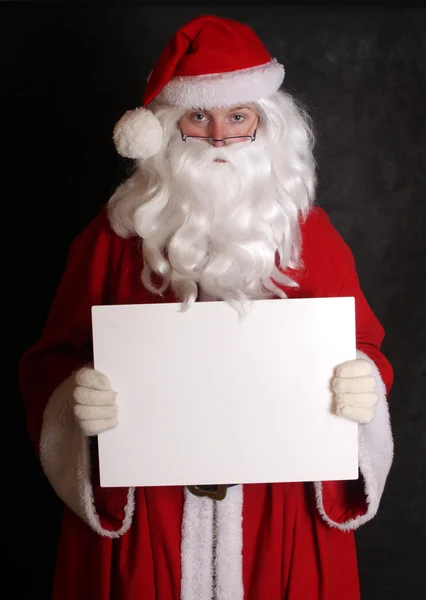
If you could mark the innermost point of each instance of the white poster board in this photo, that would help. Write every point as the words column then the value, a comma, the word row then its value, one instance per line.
column 206, row 398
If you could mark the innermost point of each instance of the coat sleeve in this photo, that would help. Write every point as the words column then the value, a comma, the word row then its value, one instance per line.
column 347, row 505
column 46, row 383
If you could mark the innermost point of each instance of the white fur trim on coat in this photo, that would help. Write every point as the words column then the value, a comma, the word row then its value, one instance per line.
column 212, row 545
column 229, row 546
column 197, row 548
column 65, row 458
column 224, row 89
column 375, row 457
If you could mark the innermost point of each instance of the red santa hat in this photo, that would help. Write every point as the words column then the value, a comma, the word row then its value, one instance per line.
column 210, row 62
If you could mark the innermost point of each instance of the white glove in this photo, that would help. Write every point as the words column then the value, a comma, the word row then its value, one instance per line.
column 95, row 408
column 353, row 386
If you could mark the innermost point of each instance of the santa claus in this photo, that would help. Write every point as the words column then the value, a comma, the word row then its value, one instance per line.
column 220, row 206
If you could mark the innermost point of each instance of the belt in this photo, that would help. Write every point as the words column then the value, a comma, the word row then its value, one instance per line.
column 215, row 492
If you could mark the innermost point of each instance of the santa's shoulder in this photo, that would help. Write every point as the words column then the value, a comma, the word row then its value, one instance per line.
column 320, row 237
column 99, row 239
column 326, row 257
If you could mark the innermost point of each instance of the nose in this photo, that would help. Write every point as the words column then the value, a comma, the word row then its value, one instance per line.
column 217, row 131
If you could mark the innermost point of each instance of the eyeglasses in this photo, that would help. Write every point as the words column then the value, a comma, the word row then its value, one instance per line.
column 235, row 141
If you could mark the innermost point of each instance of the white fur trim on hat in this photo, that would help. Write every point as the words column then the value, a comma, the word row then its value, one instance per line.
column 138, row 134
column 224, row 89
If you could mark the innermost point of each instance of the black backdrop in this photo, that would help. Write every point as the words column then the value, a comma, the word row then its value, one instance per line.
column 68, row 72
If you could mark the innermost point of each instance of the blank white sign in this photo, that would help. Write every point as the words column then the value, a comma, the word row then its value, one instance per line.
column 207, row 398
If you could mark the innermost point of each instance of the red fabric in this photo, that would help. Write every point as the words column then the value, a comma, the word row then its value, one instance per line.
column 142, row 564
column 288, row 552
column 201, row 47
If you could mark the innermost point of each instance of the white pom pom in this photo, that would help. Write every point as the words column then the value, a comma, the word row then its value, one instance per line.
column 138, row 134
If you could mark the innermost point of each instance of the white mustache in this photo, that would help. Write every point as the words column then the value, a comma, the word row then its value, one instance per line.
column 202, row 156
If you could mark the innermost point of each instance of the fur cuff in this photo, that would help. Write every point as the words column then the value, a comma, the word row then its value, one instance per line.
column 375, row 444
column 65, row 458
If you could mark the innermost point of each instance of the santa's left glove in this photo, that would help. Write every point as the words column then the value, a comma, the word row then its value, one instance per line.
column 95, row 407
column 353, row 387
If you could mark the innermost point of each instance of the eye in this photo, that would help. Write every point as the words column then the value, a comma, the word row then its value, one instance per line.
column 199, row 117
column 238, row 118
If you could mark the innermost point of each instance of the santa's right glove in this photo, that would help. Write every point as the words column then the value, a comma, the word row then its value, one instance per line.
column 95, row 407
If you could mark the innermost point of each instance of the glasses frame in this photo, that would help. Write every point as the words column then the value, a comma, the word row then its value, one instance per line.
column 213, row 140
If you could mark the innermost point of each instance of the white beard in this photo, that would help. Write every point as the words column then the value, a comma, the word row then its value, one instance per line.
column 215, row 229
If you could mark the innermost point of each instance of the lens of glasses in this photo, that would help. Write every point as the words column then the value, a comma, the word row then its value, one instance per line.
column 197, row 140
column 237, row 143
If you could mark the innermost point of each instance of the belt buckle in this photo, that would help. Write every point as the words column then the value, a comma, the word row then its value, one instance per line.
column 218, row 494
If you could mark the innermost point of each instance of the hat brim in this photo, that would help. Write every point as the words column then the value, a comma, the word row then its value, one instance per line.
column 224, row 89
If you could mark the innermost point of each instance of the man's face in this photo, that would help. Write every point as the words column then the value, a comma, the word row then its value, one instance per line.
column 217, row 211
column 237, row 123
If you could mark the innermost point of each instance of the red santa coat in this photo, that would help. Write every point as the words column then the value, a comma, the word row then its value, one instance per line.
column 275, row 541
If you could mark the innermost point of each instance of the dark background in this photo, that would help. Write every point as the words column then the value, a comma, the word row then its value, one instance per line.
column 69, row 70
